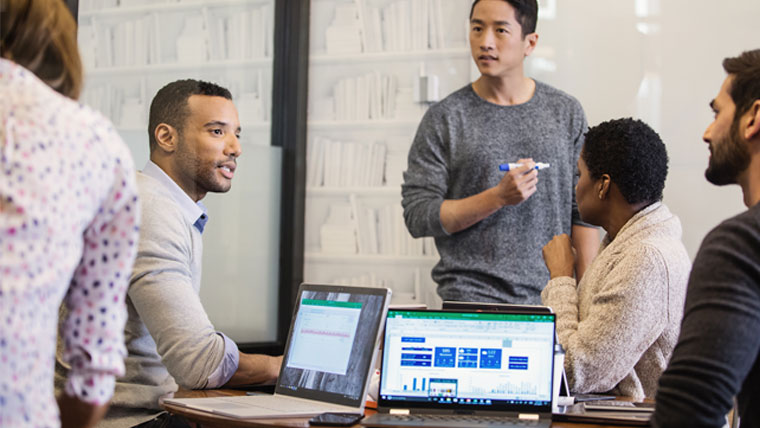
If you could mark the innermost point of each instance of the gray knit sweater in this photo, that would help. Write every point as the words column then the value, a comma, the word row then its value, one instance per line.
column 169, row 337
column 620, row 325
column 456, row 153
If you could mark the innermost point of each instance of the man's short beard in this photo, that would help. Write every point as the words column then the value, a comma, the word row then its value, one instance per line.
column 730, row 158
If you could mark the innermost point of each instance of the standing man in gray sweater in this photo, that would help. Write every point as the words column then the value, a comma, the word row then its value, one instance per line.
column 489, row 226
column 194, row 144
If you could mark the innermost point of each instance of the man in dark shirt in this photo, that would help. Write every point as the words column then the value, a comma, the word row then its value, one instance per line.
column 718, row 352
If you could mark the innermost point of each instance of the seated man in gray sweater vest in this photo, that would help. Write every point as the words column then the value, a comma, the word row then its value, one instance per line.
column 194, row 145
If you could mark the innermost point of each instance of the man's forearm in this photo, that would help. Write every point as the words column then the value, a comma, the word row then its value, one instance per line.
column 586, row 245
column 459, row 214
column 255, row 368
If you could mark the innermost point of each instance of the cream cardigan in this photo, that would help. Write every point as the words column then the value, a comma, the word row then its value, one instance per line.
column 621, row 323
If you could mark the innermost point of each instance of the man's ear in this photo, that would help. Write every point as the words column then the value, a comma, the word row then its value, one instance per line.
column 167, row 137
column 604, row 186
column 752, row 129
column 531, row 40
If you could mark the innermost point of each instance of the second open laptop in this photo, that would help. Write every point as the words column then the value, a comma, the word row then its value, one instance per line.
column 328, row 357
column 494, row 307
column 466, row 369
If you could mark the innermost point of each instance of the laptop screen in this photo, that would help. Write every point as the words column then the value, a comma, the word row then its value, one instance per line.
column 467, row 360
column 332, row 343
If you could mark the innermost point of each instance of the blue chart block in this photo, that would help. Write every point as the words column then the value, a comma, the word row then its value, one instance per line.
column 415, row 363
column 490, row 358
column 468, row 358
column 413, row 340
column 445, row 357
column 416, row 357
column 518, row 363
column 423, row 384
column 414, row 384
column 468, row 364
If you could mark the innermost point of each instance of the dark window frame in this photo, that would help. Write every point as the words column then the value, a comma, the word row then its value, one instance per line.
column 289, row 107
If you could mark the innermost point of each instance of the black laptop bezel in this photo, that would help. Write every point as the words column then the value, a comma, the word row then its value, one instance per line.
column 385, row 404
column 311, row 394
column 456, row 305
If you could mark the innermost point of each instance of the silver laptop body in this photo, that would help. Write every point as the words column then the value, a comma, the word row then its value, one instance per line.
column 329, row 354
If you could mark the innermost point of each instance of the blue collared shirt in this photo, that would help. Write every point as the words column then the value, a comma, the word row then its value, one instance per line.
column 196, row 214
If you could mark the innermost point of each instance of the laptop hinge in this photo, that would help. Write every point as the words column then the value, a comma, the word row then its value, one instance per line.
column 399, row 411
column 528, row 416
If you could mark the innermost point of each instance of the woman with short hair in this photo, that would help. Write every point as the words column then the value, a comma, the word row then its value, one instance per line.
column 620, row 323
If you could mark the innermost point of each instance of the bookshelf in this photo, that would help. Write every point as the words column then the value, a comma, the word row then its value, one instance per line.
column 444, row 53
column 178, row 68
column 89, row 8
column 132, row 48
column 375, row 66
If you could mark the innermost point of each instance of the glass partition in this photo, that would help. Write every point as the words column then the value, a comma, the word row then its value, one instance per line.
column 130, row 49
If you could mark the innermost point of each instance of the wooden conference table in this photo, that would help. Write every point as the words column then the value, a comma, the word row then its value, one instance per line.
column 208, row 420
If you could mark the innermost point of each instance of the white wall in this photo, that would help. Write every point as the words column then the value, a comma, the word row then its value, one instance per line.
column 597, row 50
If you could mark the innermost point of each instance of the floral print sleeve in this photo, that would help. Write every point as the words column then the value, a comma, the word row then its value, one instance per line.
column 68, row 229
column 93, row 333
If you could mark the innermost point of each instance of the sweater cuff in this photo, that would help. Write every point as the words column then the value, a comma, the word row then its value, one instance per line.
column 227, row 367
column 559, row 290
column 434, row 220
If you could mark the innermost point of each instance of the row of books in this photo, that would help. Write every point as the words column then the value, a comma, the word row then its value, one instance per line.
column 130, row 42
column 368, row 97
column 404, row 25
column 241, row 36
column 331, row 163
column 127, row 105
column 353, row 228
column 203, row 37
column 95, row 5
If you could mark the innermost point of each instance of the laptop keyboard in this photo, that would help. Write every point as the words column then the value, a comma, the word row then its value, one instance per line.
column 428, row 420
column 279, row 403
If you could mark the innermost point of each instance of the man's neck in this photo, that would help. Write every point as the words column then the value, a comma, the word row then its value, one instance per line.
column 168, row 169
column 506, row 91
column 749, row 181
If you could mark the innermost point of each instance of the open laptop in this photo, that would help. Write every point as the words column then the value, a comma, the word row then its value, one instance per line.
column 568, row 407
column 329, row 354
column 466, row 369
column 562, row 395
column 494, row 307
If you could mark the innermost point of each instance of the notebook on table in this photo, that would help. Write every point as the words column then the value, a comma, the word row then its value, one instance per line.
column 466, row 369
column 619, row 413
column 329, row 354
